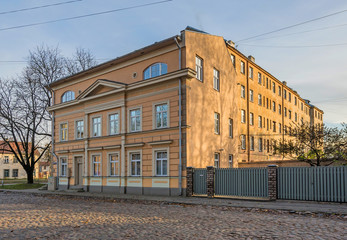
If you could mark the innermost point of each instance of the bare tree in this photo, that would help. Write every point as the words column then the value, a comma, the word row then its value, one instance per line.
column 317, row 145
column 24, row 121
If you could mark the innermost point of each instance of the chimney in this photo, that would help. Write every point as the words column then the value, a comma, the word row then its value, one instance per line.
column 284, row 83
column 250, row 57
column 231, row 43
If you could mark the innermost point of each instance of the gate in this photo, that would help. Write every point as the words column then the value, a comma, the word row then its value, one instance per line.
column 327, row 184
column 241, row 182
column 200, row 181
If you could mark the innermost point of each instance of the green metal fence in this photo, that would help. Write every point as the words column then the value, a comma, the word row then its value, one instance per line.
column 327, row 184
column 200, row 181
column 241, row 182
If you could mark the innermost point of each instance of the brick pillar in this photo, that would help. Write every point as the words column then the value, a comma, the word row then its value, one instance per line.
column 210, row 181
column 189, row 189
column 272, row 182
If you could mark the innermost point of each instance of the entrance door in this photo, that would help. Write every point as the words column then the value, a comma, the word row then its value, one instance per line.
column 78, row 171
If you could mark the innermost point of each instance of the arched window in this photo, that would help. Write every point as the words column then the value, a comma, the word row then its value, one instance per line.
column 155, row 70
column 68, row 96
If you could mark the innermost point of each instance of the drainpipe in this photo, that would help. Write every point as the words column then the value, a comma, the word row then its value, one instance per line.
column 248, row 116
column 52, row 129
column 179, row 119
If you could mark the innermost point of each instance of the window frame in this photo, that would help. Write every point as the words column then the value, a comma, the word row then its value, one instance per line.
column 259, row 78
column 199, row 69
column 154, row 116
column 231, row 160
column 259, row 100
column 77, row 127
column 116, row 162
column 66, row 129
column 242, row 67
column 129, row 118
column 251, row 95
column 251, row 119
column 251, row 143
column 150, row 70
column 63, row 166
column 260, row 122
column 92, row 125
column 233, row 59
column 243, row 141
column 231, row 128
column 139, row 151
column 250, row 74
column 243, row 92
column 109, row 123
column 216, row 161
column 260, row 144
column 154, row 161
column 93, row 164
column 216, row 79
column 67, row 96
column 216, row 118
column 243, row 116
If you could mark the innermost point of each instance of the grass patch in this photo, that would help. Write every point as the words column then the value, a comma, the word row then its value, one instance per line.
column 22, row 186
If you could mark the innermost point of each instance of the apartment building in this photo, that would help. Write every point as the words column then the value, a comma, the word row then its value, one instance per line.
column 9, row 165
column 133, row 124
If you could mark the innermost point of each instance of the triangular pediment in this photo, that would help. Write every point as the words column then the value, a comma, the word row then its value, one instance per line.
column 100, row 87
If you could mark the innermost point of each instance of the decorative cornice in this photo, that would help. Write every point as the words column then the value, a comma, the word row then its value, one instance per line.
column 160, row 142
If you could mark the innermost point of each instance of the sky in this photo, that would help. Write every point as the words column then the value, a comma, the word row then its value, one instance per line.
column 311, row 58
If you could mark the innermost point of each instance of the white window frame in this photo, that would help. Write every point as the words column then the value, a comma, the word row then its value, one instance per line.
column 130, row 161
column 243, row 142
column 243, row 91
column 250, row 72
column 93, row 166
column 199, row 68
column 259, row 99
column 116, row 162
column 259, row 78
column 216, row 117
column 216, row 157
column 63, row 173
column 274, row 106
column 109, row 123
column 154, row 111
column 242, row 67
column 92, row 125
column 77, row 127
column 129, row 118
column 216, row 79
column 251, row 119
column 61, row 132
column 243, row 116
column 279, row 90
column 273, row 87
column 232, row 57
column 260, row 122
column 251, row 97
column 231, row 128
column 154, row 163
column 231, row 160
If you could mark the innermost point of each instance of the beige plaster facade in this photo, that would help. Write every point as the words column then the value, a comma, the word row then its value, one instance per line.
column 143, row 154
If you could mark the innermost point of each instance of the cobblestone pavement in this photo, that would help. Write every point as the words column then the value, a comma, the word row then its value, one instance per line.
column 24, row 216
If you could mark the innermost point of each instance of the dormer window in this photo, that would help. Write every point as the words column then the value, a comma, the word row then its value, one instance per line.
column 68, row 96
column 155, row 70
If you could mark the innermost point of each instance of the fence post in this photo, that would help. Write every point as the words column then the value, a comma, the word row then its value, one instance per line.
column 189, row 190
column 272, row 182
column 210, row 181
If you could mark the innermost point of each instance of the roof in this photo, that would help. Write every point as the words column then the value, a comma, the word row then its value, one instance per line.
column 5, row 149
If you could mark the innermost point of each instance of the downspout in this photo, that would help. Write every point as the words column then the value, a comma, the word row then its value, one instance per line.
column 179, row 119
column 248, row 116
column 53, row 150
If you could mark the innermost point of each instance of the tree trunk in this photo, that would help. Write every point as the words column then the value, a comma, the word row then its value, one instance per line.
column 30, row 176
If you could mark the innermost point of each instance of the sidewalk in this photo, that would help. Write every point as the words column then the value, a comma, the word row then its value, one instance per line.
column 283, row 205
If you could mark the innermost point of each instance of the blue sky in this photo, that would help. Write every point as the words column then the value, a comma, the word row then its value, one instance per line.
column 317, row 73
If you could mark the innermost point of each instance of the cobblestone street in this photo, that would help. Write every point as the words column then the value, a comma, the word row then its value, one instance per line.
column 33, row 217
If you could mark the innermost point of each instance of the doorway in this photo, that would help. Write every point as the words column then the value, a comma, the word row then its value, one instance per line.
column 78, row 171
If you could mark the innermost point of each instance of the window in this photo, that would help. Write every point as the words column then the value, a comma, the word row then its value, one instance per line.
column 259, row 99
column 96, row 161
column 251, row 98
column 295, row 101
column 279, row 91
column 251, row 119
column 290, row 114
column 267, row 83
column 232, row 57
column 273, row 87
column 63, row 132
column 113, row 123
column 135, row 120
column 285, row 94
column 296, row 117
column 289, row 96
column 6, row 159
column 230, row 160
column 155, row 70
column 250, row 72
column 79, row 129
column 274, row 126
column 274, row 106
column 267, row 124
column 279, row 109
column 161, row 116
column 161, row 163
column 285, row 111
column 6, row 173
column 231, row 134
column 113, row 164
column 15, row 160
column 267, row 103
column 252, row 143
column 243, row 91
column 135, row 164
column 260, row 144
column 243, row 141
column 302, row 107
column 14, row 172
column 243, row 116
column 68, row 96
column 216, row 160
column 216, row 79
column 242, row 67
column 260, row 124
column 199, row 68
column 63, row 166
column 268, row 145
column 216, row 123
column 280, row 128
column 259, row 78
column 96, row 126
